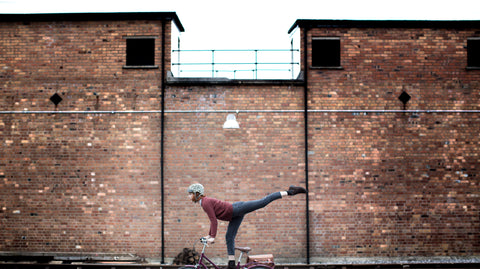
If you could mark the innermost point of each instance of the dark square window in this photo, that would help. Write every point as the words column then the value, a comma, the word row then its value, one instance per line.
column 326, row 52
column 140, row 52
column 473, row 53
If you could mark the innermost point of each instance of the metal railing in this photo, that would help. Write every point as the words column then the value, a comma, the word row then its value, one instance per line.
column 250, row 64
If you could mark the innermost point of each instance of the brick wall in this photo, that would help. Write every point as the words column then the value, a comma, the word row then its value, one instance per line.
column 263, row 156
column 381, row 184
column 395, row 184
column 378, row 64
column 79, row 182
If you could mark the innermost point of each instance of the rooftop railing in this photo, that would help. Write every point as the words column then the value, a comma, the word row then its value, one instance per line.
column 237, row 64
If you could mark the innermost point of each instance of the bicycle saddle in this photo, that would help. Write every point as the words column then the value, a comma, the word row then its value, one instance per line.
column 245, row 249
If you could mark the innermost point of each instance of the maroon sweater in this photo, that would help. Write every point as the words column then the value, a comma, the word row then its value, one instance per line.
column 216, row 209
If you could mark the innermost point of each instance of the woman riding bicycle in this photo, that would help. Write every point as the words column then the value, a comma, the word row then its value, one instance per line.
column 233, row 213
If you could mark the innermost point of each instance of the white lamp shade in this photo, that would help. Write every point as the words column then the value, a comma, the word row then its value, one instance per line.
column 231, row 122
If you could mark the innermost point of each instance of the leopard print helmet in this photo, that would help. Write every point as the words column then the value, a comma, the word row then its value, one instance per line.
column 196, row 188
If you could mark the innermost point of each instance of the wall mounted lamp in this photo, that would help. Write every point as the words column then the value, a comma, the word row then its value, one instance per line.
column 231, row 122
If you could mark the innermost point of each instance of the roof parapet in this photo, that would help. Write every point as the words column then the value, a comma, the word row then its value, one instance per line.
column 307, row 23
column 97, row 16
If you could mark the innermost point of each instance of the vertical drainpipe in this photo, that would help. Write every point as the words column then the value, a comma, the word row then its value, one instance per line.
column 305, row 116
column 162, row 129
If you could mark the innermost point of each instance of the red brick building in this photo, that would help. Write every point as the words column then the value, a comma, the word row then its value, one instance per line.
column 99, row 143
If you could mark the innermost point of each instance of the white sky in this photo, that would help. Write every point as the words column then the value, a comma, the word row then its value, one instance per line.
column 256, row 24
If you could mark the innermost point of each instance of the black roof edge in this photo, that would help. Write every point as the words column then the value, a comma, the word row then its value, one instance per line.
column 172, row 81
column 94, row 16
column 303, row 23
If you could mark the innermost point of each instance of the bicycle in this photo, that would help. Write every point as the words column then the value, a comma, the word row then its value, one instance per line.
column 251, row 263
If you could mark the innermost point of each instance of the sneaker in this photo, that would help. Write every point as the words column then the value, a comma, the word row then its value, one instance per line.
column 294, row 190
column 231, row 265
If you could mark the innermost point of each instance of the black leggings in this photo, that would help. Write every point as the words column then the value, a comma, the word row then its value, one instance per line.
column 240, row 209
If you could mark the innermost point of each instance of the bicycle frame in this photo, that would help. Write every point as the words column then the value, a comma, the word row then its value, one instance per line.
column 201, row 265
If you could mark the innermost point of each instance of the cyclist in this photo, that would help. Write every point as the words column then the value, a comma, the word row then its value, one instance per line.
column 233, row 213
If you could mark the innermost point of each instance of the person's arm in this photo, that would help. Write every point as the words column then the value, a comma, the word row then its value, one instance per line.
column 208, row 208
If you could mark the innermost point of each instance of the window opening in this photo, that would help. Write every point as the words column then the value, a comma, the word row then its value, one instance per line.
column 140, row 52
column 326, row 52
column 473, row 53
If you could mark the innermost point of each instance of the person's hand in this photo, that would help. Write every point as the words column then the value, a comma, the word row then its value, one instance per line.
column 210, row 240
